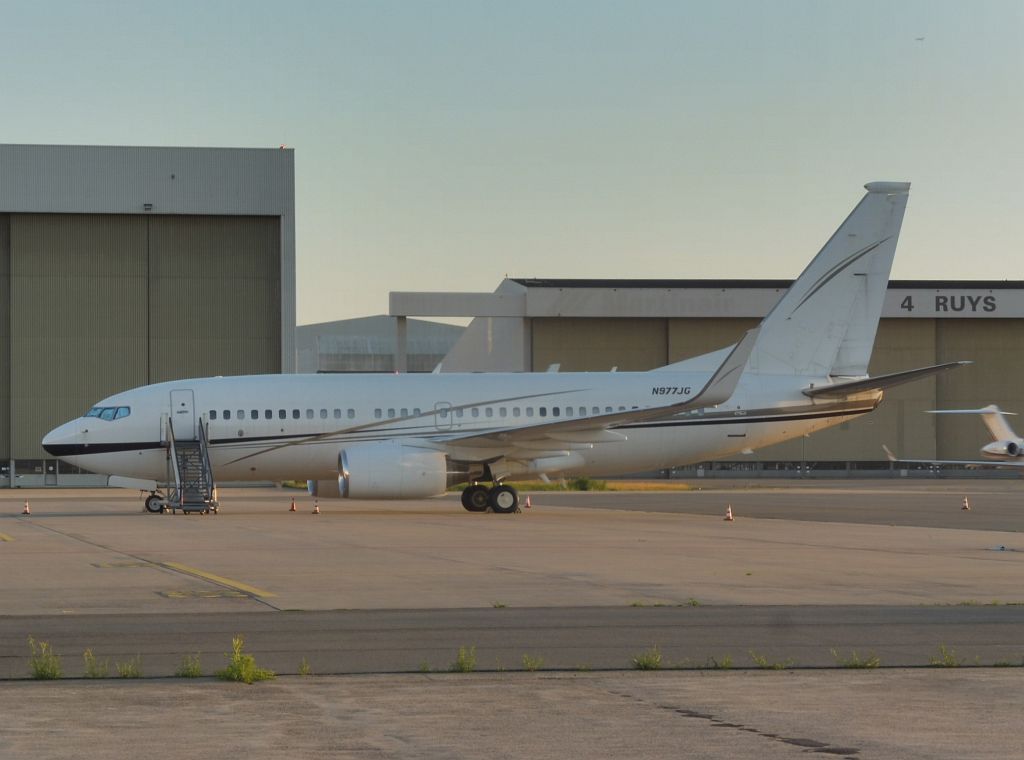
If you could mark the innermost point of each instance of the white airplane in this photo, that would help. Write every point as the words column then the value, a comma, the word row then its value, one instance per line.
column 1006, row 449
column 410, row 436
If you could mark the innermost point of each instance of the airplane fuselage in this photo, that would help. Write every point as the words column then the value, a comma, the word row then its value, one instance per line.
column 279, row 427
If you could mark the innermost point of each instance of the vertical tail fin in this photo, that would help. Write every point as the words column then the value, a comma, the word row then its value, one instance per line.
column 825, row 324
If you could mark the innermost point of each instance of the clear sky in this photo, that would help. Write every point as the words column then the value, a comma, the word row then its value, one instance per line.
column 442, row 145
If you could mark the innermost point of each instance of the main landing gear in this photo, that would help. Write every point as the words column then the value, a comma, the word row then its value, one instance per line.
column 155, row 503
column 499, row 498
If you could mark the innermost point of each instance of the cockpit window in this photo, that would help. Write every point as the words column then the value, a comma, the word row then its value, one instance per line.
column 109, row 413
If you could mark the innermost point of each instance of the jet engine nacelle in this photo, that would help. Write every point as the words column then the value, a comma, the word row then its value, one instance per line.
column 1003, row 449
column 385, row 470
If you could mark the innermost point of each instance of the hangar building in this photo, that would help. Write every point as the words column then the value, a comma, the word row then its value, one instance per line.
column 531, row 324
column 123, row 266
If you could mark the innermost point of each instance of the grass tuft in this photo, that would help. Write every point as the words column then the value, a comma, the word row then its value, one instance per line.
column 465, row 660
column 532, row 663
column 95, row 668
column 130, row 668
column 189, row 667
column 764, row 663
column 723, row 663
column 870, row 660
column 44, row 664
column 946, row 658
column 242, row 666
column 304, row 668
column 649, row 659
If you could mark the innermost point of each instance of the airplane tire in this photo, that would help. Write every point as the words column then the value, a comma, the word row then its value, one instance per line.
column 475, row 498
column 504, row 499
column 154, row 504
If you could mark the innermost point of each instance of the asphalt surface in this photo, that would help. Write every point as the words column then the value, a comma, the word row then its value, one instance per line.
column 812, row 577
column 601, row 638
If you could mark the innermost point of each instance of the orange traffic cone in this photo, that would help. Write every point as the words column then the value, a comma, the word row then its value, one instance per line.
column 316, row 507
column 27, row 510
column 728, row 513
column 293, row 505
column 527, row 503
column 966, row 507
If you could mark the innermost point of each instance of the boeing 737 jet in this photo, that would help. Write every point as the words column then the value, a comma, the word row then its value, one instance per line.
column 1006, row 449
column 402, row 436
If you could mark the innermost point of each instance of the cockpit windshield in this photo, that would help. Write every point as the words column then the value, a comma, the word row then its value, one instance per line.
column 109, row 413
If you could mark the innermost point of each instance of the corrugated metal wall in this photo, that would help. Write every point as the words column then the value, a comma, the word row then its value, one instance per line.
column 102, row 303
column 5, row 337
column 215, row 296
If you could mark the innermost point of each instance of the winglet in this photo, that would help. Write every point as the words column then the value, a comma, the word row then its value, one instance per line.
column 722, row 384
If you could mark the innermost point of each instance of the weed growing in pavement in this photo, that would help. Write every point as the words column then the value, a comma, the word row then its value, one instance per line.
column 189, row 667
column 95, row 668
column 242, row 666
column 465, row 660
column 532, row 663
column 764, row 663
column 131, row 668
column 946, row 658
column 649, row 659
column 723, row 663
column 44, row 664
column 855, row 660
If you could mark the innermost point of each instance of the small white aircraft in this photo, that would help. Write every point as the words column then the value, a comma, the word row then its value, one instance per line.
column 803, row 369
column 1006, row 449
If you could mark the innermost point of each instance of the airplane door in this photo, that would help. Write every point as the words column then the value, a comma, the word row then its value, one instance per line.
column 183, row 415
column 443, row 415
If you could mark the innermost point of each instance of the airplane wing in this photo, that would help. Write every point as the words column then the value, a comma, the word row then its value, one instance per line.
column 970, row 463
column 600, row 428
column 879, row 382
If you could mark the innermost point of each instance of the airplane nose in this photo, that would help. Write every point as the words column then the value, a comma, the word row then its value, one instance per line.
column 63, row 440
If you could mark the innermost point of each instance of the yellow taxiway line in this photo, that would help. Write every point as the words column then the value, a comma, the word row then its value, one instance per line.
column 5, row 537
column 215, row 579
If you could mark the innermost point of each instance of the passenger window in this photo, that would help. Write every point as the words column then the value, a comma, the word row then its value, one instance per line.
column 489, row 412
column 529, row 411
column 213, row 414
column 458, row 412
column 295, row 414
column 268, row 414
column 241, row 414
column 596, row 410
column 608, row 410
column 568, row 411
column 475, row 412
column 309, row 414
column 282, row 414
column 502, row 412
column 444, row 414
column 416, row 411
column 337, row 414
column 405, row 412
column 391, row 414
column 622, row 408
column 543, row 411
column 555, row 411
column 583, row 411
column 377, row 413
column 351, row 414
column 515, row 411
column 227, row 414
column 323, row 414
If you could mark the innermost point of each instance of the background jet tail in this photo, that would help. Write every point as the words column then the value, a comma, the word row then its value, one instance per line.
column 993, row 417
column 825, row 324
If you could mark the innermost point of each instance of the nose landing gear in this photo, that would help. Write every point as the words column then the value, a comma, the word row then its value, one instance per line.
column 501, row 499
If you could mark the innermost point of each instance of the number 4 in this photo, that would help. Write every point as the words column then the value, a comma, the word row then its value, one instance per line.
column 907, row 303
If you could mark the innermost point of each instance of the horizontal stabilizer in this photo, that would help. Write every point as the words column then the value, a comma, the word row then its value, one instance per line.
column 878, row 382
column 968, row 463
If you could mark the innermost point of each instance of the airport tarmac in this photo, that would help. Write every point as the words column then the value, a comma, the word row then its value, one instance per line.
column 581, row 581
